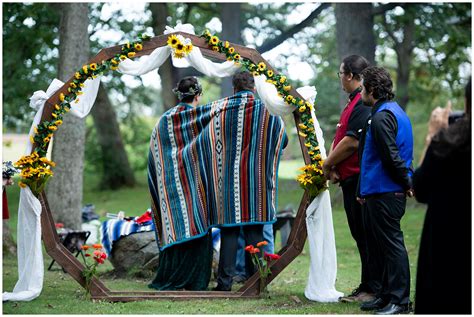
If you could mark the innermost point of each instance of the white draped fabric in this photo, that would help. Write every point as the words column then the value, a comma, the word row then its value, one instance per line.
column 319, row 217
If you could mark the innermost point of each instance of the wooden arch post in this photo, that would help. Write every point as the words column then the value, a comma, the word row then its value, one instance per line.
column 98, row 290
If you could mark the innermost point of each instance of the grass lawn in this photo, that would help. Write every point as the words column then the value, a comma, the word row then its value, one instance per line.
column 62, row 295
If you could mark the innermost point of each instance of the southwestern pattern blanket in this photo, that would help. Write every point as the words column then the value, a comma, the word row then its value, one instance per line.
column 214, row 165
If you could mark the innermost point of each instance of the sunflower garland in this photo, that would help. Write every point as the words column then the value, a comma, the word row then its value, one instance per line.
column 312, row 178
column 181, row 47
column 36, row 169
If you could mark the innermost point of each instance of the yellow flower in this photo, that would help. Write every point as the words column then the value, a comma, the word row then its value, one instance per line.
column 317, row 157
column 127, row 44
column 73, row 85
column 287, row 88
column 67, row 109
column 58, row 122
column 21, row 184
column 231, row 50
column 32, row 139
column 77, row 100
column 114, row 61
column 36, row 130
column 302, row 109
column 113, row 67
column 255, row 73
column 81, row 85
column 52, row 127
column 54, row 115
column 46, row 140
column 77, row 75
column 52, row 165
column 304, row 135
column 236, row 57
column 302, row 126
column 131, row 54
column 214, row 40
column 262, row 66
column 215, row 48
column 57, row 107
column 226, row 44
column 123, row 57
column 84, row 68
column 93, row 66
column 188, row 48
column 310, row 152
column 307, row 144
column 311, row 120
column 138, row 47
column 282, row 79
column 61, row 97
column 289, row 98
column 300, row 103
column 270, row 73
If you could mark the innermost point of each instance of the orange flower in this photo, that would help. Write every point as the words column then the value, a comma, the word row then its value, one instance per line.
column 85, row 247
column 97, row 246
column 262, row 243
column 248, row 248
column 254, row 250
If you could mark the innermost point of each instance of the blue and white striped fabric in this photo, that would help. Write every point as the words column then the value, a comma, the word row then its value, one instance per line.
column 114, row 229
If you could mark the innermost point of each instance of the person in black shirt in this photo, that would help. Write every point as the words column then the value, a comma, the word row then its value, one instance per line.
column 443, row 181
column 342, row 165
column 384, row 183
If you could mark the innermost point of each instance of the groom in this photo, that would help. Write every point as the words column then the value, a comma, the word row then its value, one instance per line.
column 244, row 88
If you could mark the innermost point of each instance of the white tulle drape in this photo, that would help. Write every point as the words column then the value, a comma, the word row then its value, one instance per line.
column 319, row 218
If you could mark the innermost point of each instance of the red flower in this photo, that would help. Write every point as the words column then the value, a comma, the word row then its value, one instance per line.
column 87, row 254
column 85, row 247
column 59, row 225
column 103, row 255
column 248, row 248
column 271, row 257
column 262, row 243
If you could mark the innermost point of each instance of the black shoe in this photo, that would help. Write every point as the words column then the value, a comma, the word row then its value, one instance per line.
column 375, row 304
column 393, row 309
column 220, row 288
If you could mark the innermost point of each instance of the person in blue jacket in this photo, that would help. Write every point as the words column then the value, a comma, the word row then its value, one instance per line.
column 385, row 181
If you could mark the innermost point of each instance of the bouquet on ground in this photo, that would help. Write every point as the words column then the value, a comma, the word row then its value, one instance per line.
column 98, row 256
column 263, row 266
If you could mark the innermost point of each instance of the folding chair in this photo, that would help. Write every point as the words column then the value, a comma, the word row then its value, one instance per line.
column 73, row 241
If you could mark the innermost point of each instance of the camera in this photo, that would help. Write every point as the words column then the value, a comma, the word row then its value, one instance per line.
column 455, row 116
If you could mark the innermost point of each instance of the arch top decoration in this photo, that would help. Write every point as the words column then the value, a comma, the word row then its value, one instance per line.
column 251, row 288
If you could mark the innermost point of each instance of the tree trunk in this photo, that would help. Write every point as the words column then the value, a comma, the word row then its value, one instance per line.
column 230, row 17
column 65, row 188
column 159, row 13
column 116, row 168
column 404, row 51
column 354, row 33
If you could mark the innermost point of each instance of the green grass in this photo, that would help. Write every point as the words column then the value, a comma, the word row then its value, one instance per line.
column 62, row 295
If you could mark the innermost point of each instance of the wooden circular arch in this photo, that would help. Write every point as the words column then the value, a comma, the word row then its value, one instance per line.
column 99, row 291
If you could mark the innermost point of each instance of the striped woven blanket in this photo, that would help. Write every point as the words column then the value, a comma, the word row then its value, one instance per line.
column 214, row 165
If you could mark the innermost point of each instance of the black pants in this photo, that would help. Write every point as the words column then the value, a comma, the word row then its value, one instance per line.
column 355, row 213
column 390, row 257
column 229, row 243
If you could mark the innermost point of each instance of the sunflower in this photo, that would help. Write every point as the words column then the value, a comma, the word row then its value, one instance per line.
column 188, row 48
column 54, row 115
column 287, row 88
column 302, row 126
column 85, row 69
column 131, row 54
column 114, row 61
column 262, row 66
column 61, row 96
column 123, row 57
column 226, row 44
column 58, row 122
column 113, row 67
column 173, row 41
column 282, row 79
column 73, row 85
column 304, row 135
column 179, row 47
column 302, row 109
column 138, row 47
column 231, row 50
column 77, row 75
column 93, row 66
column 289, row 98
column 269, row 73
column 215, row 48
column 236, row 57
column 214, row 40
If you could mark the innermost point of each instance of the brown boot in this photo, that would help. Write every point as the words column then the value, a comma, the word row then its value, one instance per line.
column 357, row 296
